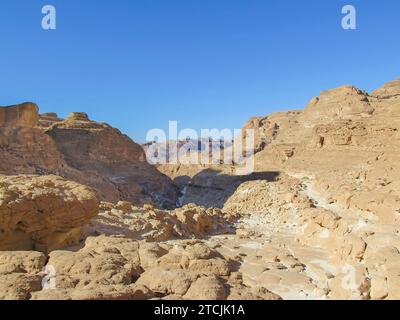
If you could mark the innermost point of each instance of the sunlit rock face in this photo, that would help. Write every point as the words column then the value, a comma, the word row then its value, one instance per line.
column 319, row 218
column 22, row 115
column 92, row 153
column 43, row 212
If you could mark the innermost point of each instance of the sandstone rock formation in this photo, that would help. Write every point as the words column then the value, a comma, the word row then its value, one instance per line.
column 336, row 195
column 22, row 115
column 344, row 153
column 112, row 163
column 124, row 269
column 81, row 150
column 318, row 219
column 43, row 212
column 388, row 90
column 152, row 224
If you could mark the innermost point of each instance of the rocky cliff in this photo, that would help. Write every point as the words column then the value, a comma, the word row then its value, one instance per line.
column 333, row 202
column 349, row 141
column 82, row 150
column 319, row 218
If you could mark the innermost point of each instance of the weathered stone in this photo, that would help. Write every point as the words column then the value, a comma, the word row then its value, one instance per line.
column 43, row 212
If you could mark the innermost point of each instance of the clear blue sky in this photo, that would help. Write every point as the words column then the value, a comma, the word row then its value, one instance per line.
column 204, row 63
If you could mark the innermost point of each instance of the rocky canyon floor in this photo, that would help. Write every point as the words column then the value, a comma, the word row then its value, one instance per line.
column 83, row 215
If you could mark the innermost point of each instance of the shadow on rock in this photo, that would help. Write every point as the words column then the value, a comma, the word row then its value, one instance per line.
column 212, row 188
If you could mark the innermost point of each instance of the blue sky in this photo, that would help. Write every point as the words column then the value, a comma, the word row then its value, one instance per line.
column 204, row 63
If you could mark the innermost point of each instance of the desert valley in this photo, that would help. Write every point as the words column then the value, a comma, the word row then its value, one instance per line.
column 83, row 215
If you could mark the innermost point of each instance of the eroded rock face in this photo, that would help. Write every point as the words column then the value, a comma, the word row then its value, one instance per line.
column 343, row 102
column 263, row 197
column 334, row 203
column 109, row 268
column 346, row 157
column 318, row 219
column 388, row 90
column 20, row 274
column 18, row 286
column 101, row 262
column 112, row 163
column 152, row 224
column 22, row 115
column 30, row 262
column 46, row 120
column 43, row 212
column 81, row 150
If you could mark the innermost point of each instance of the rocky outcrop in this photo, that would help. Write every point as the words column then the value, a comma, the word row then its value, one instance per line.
column 264, row 197
column 124, row 269
column 336, row 192
column 388, row 90
column 340, row 103
column 22, row 115
column 111, row 162
column 347, row 157
column 43, row 212
column 318, row 219
column 152, row 224
column 191, row 270
column 20, row 274
column 46, row 120
column 91, row 153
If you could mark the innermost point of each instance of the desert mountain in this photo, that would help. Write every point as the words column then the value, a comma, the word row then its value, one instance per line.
column 78, row 149
column 319, row 218
column 326, row 176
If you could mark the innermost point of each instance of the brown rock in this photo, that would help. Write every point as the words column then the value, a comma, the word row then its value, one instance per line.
column 158, row 225
column 390, row 89
column 103, row 261
column 43, row 212
column 18, row 286
column 81, row 150
column 110, row 162
column 167, row 281
column 21, row 262
column 206, row 288
column 101, row 292
column 241, row 292
column 342, row 102
column 22, row 115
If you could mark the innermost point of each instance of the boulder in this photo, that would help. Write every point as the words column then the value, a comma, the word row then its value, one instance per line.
column 43, row 212
column 19, row 286
column 152, row 224
column 21, row 262
column 206, row 288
